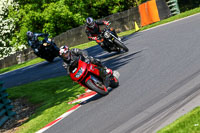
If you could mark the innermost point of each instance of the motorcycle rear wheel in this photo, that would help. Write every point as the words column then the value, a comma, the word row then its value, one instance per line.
column 102, row 91
column 121, row 45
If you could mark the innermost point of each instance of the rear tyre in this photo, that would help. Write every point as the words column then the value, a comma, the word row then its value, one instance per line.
column 100, row 90
column 121, row 45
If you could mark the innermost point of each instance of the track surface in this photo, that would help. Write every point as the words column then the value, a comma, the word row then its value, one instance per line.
column 161, row 69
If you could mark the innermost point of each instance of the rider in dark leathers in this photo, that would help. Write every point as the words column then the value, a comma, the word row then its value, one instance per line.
column 69, row 56
column 93, row 30
column 34, row 42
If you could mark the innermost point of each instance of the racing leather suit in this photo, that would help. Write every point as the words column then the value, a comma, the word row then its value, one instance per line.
column 74, row 55
column 35, row 43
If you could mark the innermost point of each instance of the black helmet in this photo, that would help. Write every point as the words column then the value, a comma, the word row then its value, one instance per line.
column 29, row 34
column 90, row 22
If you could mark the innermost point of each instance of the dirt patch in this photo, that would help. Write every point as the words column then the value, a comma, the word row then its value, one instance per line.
column 23, row 111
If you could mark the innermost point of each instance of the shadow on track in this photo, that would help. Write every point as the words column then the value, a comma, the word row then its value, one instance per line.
column 95, row 97
column 118, row 61
column 95, row 51
column 133, row 35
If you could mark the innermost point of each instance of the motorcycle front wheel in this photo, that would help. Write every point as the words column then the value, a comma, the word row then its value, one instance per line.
column 121, row 45
column 100, row 89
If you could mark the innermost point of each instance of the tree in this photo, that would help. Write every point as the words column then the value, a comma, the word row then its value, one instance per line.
column 7, row 27
column 53, row 16
column 185, row 5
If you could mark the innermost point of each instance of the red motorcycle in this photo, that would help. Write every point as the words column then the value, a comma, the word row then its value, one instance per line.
column 92, row 76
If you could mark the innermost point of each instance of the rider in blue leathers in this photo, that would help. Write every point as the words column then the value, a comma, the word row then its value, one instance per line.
column 34, row 42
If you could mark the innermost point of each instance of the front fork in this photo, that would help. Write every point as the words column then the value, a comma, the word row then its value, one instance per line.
column 114, row 35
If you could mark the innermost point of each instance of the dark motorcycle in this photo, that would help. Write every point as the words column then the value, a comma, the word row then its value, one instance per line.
column 48, row 50
column 110, row 39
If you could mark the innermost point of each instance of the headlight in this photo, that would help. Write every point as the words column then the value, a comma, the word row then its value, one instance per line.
column 106, row 34
column 80, row 71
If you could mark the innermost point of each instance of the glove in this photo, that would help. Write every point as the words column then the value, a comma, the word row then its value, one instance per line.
column 88, row 59
column 107, row 23
column 91, row 58
column 95, row 61
column 94, row 38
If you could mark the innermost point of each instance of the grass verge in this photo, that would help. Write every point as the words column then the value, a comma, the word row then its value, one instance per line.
column 188, row 123
column 27, row 63
column 90, row 44
column 51, row 96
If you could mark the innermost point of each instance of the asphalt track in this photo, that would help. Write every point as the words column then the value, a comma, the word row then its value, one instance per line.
column 158, row 73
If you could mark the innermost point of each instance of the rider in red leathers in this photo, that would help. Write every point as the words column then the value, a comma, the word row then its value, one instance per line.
column 70, row 56
column 93, row 30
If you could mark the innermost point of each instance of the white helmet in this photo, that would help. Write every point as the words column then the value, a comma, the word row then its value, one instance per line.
column 90, row 22
column 64, row 53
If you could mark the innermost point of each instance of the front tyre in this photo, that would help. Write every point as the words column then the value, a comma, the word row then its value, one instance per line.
column 120, row 45
column 100, row 89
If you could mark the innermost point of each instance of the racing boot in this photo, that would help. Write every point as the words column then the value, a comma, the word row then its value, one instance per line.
column 114, row 82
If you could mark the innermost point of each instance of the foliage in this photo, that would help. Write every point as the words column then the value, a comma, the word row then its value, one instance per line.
column 7, row 27
column 56, row 16
column 186, row 5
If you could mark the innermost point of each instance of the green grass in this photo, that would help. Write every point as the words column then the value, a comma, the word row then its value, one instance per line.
column 188, row 123
column 85, row 45
column 27, row 63
column 92, row 43
column 51, row 96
